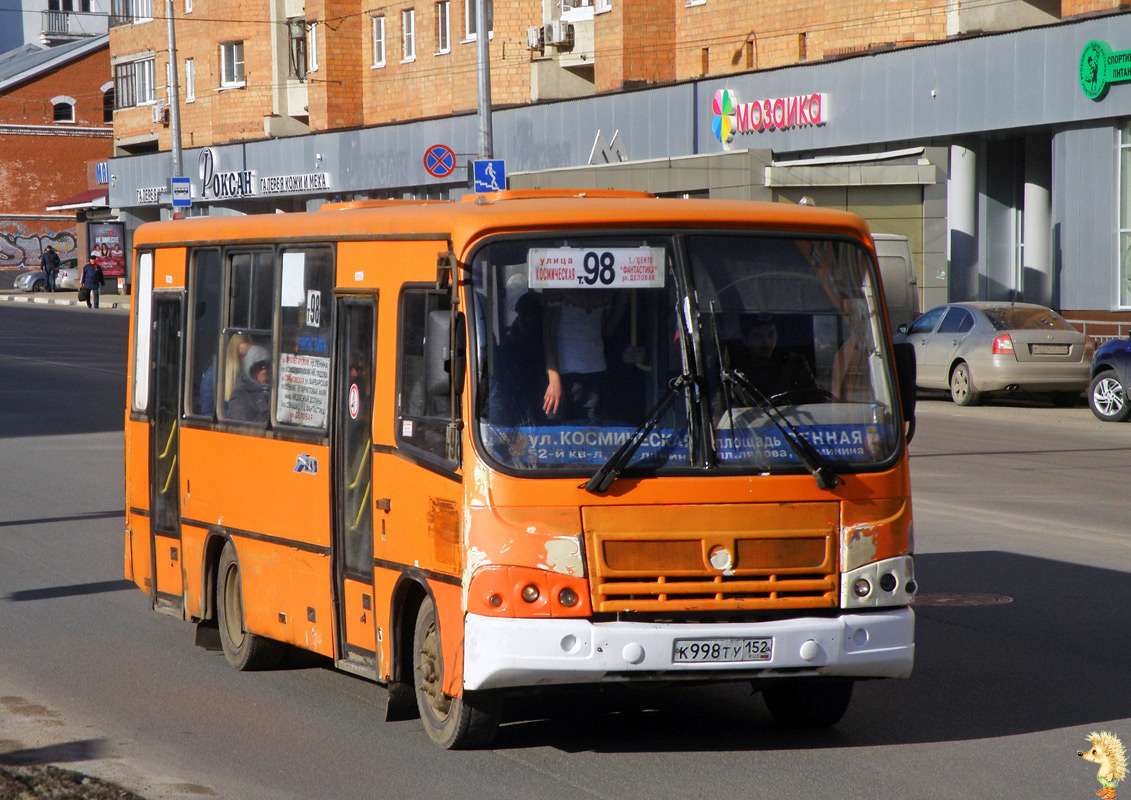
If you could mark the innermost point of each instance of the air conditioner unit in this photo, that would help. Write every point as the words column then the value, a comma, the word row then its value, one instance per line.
column 160, row 114
column 535, row 38
column 559, row 34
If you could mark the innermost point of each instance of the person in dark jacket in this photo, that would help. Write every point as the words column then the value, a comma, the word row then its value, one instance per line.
column 91, row 280
column 51, row 264
column 251, row 398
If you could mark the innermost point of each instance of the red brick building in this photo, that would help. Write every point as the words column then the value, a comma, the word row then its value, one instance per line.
column 326, row 65
column 55, row 117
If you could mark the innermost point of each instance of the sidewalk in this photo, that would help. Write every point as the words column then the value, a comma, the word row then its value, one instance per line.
column 64, row 297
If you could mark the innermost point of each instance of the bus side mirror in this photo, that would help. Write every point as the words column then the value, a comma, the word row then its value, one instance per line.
column 905, row 375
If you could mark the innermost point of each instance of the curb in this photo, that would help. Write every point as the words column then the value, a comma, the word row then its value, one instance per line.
column 52, row 301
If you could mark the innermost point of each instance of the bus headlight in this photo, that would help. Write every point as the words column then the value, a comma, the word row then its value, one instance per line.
column 890, row 582
column 505, row 591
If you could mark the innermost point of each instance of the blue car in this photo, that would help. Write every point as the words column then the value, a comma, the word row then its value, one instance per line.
column 1111, row 374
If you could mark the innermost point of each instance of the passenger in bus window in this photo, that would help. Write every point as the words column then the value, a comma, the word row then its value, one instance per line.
column 251, row 398
column 234, row 354
column 576, row 324
column 517, row 387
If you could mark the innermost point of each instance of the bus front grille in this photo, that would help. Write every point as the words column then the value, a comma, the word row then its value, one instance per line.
column 712, row 558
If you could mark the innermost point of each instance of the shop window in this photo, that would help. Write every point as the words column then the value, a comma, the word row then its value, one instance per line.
column 1125, row 216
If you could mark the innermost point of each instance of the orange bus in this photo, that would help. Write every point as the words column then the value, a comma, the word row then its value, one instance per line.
column 468, row 449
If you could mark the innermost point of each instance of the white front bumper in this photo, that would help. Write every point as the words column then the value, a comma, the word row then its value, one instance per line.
column 503, row 652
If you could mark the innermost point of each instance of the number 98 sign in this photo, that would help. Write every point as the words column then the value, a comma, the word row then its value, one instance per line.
column 581, row 268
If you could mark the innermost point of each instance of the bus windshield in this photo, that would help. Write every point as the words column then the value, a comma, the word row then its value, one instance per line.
column 711, row 351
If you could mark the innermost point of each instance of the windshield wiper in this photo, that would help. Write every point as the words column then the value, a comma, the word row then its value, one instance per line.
column 609, row 471
column 814, row 462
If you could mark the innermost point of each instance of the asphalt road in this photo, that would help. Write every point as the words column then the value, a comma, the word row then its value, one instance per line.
column 1024, row 566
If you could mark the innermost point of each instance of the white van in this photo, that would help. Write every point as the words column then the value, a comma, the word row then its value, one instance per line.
column 901, row 289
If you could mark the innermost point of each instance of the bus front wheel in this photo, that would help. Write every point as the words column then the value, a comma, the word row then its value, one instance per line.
column 808, row 702
column 454, row 723
column 244, row 651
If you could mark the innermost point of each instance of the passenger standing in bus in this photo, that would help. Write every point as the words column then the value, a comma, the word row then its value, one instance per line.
column 576, row 322
column 515, row 397
column 250, row 401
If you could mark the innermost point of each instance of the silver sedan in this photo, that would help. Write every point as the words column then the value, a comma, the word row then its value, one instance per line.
column 974, row 349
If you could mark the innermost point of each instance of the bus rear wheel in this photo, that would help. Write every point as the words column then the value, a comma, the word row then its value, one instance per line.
column 244, row 651
column 454, row 723
column 808, row 702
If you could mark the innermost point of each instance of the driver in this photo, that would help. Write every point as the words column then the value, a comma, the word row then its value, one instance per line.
column 771, row 370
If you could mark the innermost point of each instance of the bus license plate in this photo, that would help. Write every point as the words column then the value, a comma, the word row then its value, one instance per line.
column 721, row 650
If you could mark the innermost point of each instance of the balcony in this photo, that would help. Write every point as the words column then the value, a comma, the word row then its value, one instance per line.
column 60, row 27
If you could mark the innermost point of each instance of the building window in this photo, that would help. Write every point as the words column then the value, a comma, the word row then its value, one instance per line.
column 134, row 83
column 108, row 105
column 443, row 27
column 408, row 34
column 469, row 19
column 298, row 37
column 378, row 41
column 601, row 6
column 188, row 6
column 190, row 80
column 312, row 47
column 64, row 108
column 126, row 12
column 231, row 64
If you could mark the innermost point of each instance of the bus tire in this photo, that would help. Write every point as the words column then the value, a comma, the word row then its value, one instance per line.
column 243, row 650
column 454, row 723
column 808, row 702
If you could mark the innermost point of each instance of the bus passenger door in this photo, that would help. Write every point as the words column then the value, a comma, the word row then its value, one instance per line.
column 164, row 437
column 352, row 479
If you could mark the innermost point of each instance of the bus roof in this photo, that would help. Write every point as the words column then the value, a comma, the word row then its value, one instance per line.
column 463, row 222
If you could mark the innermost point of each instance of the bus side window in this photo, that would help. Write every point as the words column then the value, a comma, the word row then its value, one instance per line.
column 247, row 340
column 423, row 410
column 306, row 290
column 206, row 299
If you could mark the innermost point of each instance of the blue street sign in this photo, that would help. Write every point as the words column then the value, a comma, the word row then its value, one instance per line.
column 490, row 176
column 182, row 192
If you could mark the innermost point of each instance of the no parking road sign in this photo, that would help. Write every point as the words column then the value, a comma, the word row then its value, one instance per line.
column 439, row 161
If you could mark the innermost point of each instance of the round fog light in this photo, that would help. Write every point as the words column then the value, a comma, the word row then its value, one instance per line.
column 887, row 582
column 568, row 597
column 530, row 593
column 862, row 588
column 911, row 587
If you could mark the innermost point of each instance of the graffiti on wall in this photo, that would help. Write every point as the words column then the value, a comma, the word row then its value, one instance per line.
column 22, row 247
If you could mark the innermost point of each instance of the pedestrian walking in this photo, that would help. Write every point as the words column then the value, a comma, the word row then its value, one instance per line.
column 51, row 264
column 91, row 281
